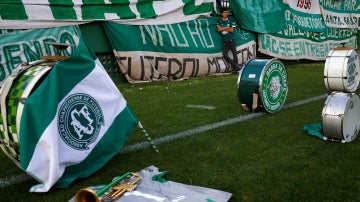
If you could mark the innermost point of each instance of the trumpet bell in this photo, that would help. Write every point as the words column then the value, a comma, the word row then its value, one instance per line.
column 86, row 195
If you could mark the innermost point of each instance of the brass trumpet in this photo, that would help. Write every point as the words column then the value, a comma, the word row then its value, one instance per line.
column 110, row 192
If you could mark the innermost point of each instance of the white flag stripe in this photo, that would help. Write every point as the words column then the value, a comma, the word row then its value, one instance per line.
column 51, row 147
column 37, row 12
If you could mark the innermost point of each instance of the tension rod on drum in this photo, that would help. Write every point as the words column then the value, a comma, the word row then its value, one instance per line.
column 255, row 99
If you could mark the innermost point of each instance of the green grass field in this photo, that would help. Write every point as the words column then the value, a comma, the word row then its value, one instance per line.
column 268, row 158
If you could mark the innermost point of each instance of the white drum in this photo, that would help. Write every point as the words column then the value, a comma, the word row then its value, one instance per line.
column 341, row 71
column 341, row 116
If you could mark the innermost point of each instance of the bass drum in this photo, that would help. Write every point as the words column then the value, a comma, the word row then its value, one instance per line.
column 341, row 71
column 263, row 82
column 341, row 116
column 13, row 93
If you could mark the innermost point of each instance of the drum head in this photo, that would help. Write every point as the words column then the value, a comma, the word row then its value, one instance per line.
column 273, row 86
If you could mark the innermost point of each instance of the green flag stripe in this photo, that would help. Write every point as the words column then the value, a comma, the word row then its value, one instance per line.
column 7, row 11
column 191, row 8
column 96, row 9
column 72, row 71
column 146, row 9
column 64, row 12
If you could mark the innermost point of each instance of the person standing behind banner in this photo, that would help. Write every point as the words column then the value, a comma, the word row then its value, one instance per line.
column 226, row 28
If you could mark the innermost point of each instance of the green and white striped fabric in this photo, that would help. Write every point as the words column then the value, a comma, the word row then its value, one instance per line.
column 73, row 123
column 55, row 13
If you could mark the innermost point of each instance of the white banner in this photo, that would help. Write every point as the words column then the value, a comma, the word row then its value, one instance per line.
column 341, row 14
column 293, row 43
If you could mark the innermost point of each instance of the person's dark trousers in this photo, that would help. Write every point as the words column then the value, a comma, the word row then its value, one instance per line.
column 230, row 45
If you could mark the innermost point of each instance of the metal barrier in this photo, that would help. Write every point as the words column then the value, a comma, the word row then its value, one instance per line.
column 220, row 4
column 108, row 60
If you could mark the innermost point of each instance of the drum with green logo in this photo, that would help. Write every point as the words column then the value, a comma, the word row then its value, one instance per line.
column 13, row 93
column 264, row 82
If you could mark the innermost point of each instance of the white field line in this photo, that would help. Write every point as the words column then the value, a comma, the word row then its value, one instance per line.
column 190, row 132
column 168, row 138
column 201, row 107
column 8, row 181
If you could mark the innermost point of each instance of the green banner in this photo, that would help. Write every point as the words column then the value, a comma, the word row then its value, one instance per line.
column 19, row 46
column 262, row 16
column 293, row 43
column 174, row 51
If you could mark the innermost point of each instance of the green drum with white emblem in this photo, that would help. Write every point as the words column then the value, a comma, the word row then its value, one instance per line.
column 263, row 82
column 13, row 93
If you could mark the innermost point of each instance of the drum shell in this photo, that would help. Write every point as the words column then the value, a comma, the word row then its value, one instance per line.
column 14, row 91
column 249, row 80
column 253, row 79
column 340, row 116
column 341, row 71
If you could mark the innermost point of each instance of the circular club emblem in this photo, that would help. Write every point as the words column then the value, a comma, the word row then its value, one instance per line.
column 353, row 72
column 79, row 121
column 274, row 87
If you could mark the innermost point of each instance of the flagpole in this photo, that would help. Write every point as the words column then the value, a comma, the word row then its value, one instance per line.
column 148, row 138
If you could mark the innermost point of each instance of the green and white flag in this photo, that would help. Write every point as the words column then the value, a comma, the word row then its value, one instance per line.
column 55, row 13
column 73, row 123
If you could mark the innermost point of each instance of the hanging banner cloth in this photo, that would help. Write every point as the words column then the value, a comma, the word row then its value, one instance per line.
column 174, row 51
column 54, row 13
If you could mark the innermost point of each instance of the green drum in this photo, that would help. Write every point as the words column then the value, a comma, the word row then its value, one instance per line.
column 13, row 93
column 262, row 84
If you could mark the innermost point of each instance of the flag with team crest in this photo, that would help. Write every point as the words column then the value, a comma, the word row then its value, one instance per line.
column 73, row 123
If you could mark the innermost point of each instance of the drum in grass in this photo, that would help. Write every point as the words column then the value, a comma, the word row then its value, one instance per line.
column 262, row 84
column 13, row 93
column 341, row 71
column 341, row 116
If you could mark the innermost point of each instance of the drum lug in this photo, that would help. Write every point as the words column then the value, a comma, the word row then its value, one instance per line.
column 245, row 107
column 341, row 116
column 22, row 100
